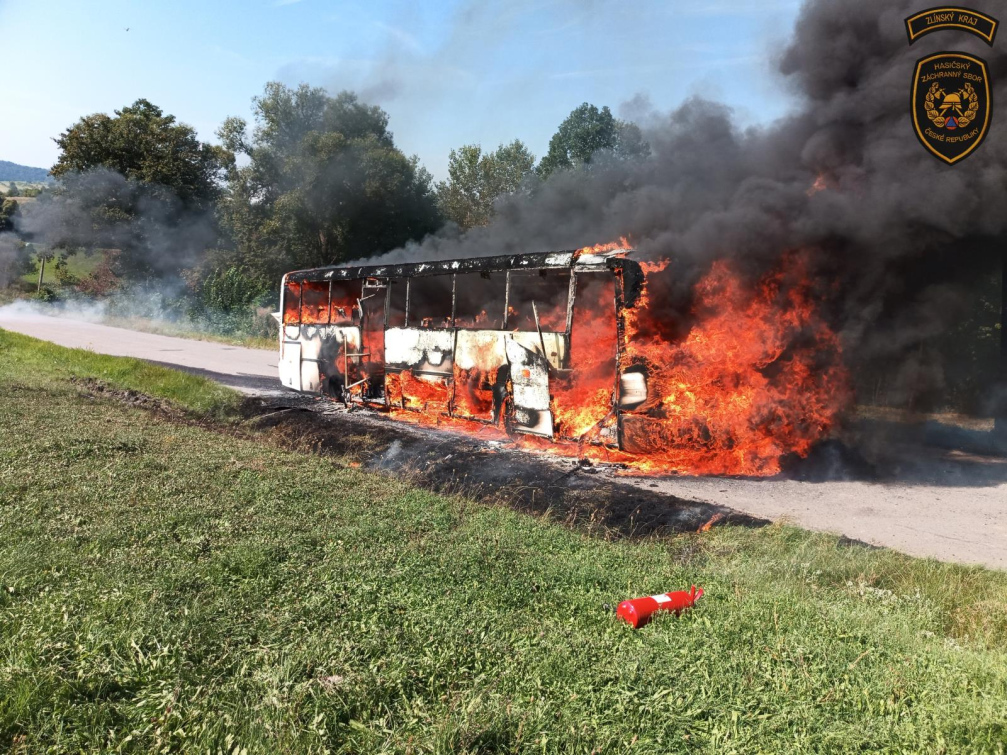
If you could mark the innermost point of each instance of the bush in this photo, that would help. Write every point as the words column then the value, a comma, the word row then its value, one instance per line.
column 63, row 275
column 230, row 290
column 46, row 294
column 227, row 302
column 103, row 280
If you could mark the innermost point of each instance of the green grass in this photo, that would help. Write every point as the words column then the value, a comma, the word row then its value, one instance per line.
column 54, row 365
column 78, row 265
column 166, row 588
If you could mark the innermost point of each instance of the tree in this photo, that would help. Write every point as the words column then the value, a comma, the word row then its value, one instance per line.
column 324, row 183
column 144, row 145
column 12, row 190
column 140, row 179
column 476, row 180
column 8, row 209
column 585, row 133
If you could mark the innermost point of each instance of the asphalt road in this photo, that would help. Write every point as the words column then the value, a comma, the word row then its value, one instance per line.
column 948, row 505
column 251, row 371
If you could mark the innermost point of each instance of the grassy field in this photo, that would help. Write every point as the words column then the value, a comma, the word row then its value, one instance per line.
column 78, row 265
column 21, row 185
column 166, row 587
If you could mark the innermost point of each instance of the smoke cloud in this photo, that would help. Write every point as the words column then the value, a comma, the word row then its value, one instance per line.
column 156, row 233
column 896, row 236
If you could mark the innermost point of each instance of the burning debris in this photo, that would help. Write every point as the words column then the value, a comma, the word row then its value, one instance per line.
column 563, row 351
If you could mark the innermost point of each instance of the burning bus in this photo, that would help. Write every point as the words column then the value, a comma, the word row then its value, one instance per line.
column 561, row 350
column 486, row 340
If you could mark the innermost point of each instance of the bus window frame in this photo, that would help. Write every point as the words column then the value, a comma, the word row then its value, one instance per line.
column 283, row 301
column 570, row 294
column 300, row 304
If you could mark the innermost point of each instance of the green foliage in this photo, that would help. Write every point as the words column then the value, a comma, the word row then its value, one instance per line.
column 63, row 274
column 8, row 210
column 324, row 183
column 142, row 144
column 46, row 294
column 145, row 182
column 476, row 180
column 99, row 277
column 226, row 304
column 12, row 190
column 230, row 290
column 15, row 260
column 585, row 133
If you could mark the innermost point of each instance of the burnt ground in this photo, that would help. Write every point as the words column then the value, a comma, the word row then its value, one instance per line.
column 919, row 488
column 575, row 492
column 879, row 484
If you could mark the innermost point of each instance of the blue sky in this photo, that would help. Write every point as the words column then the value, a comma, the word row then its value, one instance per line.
column 448, row 73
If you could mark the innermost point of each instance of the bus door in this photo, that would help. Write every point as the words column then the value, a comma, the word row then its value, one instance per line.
column 373, row 307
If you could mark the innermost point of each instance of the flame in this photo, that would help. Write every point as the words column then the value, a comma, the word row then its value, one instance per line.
column 758, row 376
column 429, row 394
column 584, row 398
column 708, row 524
column 321, row 303
column 612, row 246
column 821, row 184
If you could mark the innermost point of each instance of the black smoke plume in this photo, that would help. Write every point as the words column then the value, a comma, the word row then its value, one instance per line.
column 897, row 237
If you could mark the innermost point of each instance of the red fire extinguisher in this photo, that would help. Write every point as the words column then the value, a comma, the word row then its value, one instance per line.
column 639, row 611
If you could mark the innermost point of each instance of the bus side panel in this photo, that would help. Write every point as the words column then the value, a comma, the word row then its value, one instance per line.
column 529, row 372
column 419, row 366
column 421, row 351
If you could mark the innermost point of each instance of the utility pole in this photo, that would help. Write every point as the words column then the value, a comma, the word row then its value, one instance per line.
column 41, row 271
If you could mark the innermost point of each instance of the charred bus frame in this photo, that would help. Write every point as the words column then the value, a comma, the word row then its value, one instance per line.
column 358, row 334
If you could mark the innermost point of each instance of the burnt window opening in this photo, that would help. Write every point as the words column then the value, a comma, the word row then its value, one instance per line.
column 594, row 339
column 315, row 302
column 292, row 303
column 344, row 302
column 429, row 303
column 480, row 300
column 542, row 292
column 395, row 313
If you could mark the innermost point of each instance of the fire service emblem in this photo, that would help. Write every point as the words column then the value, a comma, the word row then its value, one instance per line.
column 951, row 104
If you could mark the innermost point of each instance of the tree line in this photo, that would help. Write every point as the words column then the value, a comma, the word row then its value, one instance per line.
column 315, row 179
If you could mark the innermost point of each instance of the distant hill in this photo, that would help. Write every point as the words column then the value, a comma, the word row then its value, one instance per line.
column 15, row 172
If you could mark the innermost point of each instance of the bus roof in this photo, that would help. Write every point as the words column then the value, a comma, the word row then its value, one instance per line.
column 568, row 260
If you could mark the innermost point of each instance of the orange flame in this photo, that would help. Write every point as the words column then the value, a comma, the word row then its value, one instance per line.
column 821, row 183
column 612, row 246
column 708, row 524
column 758, row 377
